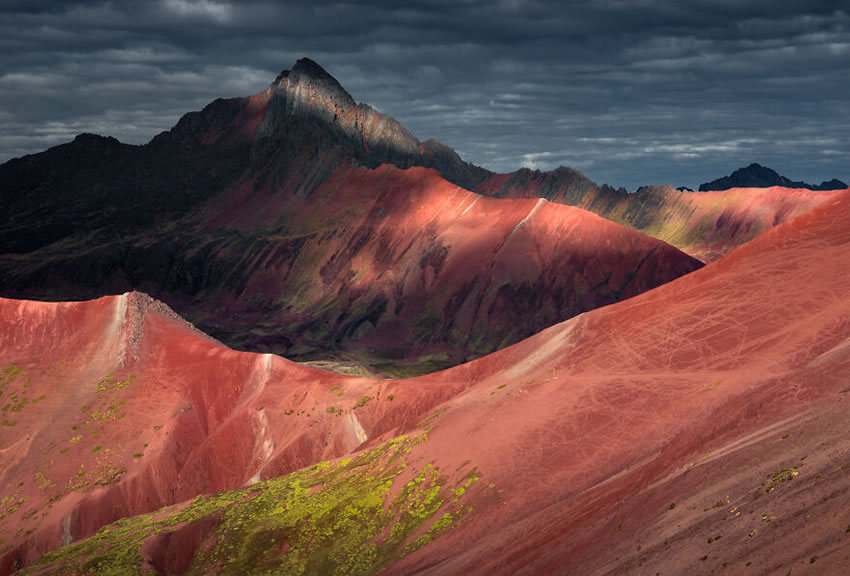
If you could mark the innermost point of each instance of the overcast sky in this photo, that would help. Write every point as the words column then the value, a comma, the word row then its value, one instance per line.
column 630, row 92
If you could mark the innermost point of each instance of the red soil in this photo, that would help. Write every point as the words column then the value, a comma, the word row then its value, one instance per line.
column 433, row 267
column 712, row 223
column 706, row 225
column 692, row 394
column 201, row 418
column 683, row 396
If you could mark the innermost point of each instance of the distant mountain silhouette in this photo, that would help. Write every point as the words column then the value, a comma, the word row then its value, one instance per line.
column 758, row 176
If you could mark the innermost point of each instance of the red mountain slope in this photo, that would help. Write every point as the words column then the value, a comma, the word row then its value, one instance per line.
column 639, row 433
column 401, row 264
column 699, row 426
column 292, row 221
column 706, row 224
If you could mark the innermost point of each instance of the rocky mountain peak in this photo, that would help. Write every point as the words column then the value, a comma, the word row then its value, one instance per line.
column 307, row 78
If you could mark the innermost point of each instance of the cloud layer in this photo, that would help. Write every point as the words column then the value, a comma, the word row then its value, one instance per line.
column 630, row 92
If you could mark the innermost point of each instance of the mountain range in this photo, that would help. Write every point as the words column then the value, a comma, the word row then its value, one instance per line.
column 600, row 382
column 698, row 426
column 299, row 222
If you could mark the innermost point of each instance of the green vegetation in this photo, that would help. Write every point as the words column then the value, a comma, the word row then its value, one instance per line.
column 332, row 410
column 11, row 504
column 42, row 481
column 785, row 475
column 98, row 414
column 330, row 518
column 108, row 390
column 363, row 401
column 715, row 384
column 17, row 398
column 8, row 376
column 428, row 422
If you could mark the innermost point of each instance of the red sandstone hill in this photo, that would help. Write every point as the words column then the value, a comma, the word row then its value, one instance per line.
column 403, row 265
column 697, row 427
column 299, row 222
column 706, row 224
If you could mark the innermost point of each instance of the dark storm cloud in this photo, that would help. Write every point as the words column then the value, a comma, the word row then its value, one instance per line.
column 629, row 91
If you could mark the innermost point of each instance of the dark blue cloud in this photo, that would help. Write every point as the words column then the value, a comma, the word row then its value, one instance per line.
column 630, row 92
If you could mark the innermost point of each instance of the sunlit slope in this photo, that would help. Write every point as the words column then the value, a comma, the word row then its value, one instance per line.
column 299, row 222
column 706, row 224
column 628, row 438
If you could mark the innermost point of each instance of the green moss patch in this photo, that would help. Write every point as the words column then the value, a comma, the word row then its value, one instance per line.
column 347, row 517
column 12, row 400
